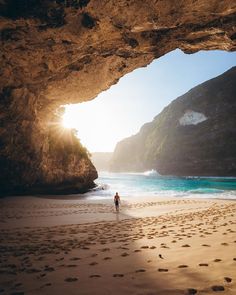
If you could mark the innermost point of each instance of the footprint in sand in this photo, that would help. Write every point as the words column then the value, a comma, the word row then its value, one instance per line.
column 42, row 275
column 163, row 269
column 107, row 258
column 45, row 285
column 124, row 248
column 234, row 259
column 50, row 269
column 124, row 254
column 105, row 249
column 95, row 276
column 185, row 246
column 203, row 264
column 205, row 245
column 93, row 263
column 144, row 247
column 218, row 288
column 182, row 266
column 118, row 275
column 74, row 258
column 84, row 248
column 153, row 247
column 69, row 280
column 165, row 247
column 217, row 260
column 191, row 291
column 137, row 251
column 140, row 270
column 227, row 279
column 224, row 244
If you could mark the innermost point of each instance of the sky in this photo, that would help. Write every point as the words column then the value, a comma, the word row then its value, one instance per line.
column 139, row 96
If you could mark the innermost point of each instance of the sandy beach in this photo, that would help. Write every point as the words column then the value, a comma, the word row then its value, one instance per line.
column 153, row 246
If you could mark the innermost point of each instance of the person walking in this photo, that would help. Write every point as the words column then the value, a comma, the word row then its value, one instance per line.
column 117, row 201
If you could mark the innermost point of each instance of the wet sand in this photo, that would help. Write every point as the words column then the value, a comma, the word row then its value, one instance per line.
column 153, row 246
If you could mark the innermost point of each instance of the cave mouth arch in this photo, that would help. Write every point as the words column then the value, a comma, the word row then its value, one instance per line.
column 60, row 52
column 138, row 97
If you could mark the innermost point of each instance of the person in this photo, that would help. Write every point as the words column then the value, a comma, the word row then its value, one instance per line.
column 117, row 201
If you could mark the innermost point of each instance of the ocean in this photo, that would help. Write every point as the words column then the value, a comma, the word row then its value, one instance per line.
column 150, row 183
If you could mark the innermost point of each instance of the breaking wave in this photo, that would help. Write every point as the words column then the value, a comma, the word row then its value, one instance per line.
column 151, row 183
column 151, row 173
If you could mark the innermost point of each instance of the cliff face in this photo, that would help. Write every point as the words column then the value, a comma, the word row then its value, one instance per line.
column 67, row 51
column 194, row 135
column 40, row 156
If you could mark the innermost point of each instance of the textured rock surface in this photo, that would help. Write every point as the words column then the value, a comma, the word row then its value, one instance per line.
column 67, row 51
column 204, row 148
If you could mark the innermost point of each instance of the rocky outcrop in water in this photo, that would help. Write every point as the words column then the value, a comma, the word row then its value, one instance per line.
column 194, row 135
column 67, row 51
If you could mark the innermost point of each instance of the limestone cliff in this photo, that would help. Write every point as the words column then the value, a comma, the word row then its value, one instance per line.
column 55, row 52
column 194, row 135
column 41, row 157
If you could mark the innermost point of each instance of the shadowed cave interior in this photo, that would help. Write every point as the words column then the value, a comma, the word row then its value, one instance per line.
column 60, row 52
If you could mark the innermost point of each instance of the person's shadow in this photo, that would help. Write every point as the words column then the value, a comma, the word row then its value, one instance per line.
column 117, row 216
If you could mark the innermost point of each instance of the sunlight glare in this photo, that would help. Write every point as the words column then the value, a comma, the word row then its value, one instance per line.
column 69, row 120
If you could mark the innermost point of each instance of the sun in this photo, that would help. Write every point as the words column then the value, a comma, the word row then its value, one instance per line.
column 69, row 120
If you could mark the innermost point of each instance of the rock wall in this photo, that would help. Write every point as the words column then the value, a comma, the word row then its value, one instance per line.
column 38, row 155
column 67, row 51
column 194, row 135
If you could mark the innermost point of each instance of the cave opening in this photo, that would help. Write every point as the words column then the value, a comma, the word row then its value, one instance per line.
column 137, row 98
column 66, row 52
column 59, row 53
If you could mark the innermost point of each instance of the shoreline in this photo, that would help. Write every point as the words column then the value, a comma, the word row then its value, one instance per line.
column 38, row 211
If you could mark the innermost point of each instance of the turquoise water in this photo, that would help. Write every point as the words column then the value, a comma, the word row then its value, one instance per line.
column 150, row 183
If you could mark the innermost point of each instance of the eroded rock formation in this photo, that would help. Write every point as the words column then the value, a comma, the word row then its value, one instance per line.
column 194, row 135
column 55, row 52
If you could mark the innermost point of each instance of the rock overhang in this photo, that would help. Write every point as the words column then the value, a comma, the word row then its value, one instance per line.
column 72, row 50
column 60, row 52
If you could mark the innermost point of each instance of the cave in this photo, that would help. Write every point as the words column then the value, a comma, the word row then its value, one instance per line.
column 59, row 52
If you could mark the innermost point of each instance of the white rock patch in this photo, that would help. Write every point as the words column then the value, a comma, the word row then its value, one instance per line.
column 192, row 118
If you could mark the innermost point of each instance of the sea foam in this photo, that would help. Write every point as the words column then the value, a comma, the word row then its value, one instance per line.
column 150, row 183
